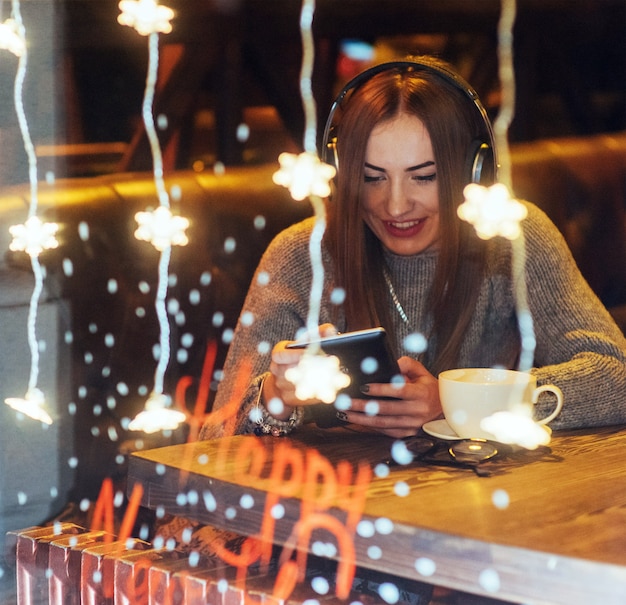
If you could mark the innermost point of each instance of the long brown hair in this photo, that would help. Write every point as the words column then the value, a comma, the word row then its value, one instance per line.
column 453, row 124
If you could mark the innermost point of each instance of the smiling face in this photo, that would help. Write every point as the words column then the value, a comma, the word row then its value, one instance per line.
column 400, row 201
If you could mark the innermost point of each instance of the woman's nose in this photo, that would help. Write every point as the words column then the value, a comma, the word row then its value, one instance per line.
column 399, row 201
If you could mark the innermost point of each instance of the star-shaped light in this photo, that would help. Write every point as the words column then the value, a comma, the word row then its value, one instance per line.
column 31, row 405
column 492, row 211
column 517, row 427
column 304, row 175
column 33, row 236
column 146, row 16
column 317, row 377
column 157, row 415
column 161, row 228
column 11, row 38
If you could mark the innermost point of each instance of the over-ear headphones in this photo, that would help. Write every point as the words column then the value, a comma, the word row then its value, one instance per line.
column 481, row 157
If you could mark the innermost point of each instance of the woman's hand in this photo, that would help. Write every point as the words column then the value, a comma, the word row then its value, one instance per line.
column 276, row 384
column 417, row 402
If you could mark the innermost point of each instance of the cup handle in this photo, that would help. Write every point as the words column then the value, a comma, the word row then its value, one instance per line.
column 559, row 400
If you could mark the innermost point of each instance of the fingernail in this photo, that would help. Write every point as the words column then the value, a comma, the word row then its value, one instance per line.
column 342, row 416
column 365, row 388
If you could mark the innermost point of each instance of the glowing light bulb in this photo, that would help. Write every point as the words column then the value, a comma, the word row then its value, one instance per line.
column 161, row 228
column 146, row 16
column 157, row 415
column 516, row 427
column 304, row 175
column 12, row 38
column 317, row 377
column 492, row 211
column 31, row 405
column 33, row 236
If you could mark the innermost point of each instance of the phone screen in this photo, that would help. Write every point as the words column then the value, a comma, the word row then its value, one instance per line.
column 365, row 355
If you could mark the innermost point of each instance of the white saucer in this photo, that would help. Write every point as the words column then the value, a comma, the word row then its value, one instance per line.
column 440, row 429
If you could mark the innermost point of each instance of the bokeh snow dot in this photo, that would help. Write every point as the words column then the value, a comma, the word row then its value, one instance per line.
column 500, row 499
column 389, row 592
column 425, row 566
column 489, row 580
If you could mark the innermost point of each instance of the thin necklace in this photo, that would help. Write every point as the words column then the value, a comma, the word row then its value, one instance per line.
column 394, row 297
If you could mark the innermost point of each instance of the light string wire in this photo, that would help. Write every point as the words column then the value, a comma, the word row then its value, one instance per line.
column 310, row 146
column 501, row 126
column 34, row 197
column 165, row 255
column 148, row 118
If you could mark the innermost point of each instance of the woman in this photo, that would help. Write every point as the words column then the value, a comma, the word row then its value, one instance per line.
column 397, row 255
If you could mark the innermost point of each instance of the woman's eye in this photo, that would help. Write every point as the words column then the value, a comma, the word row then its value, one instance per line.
column 427, row 178
column 372, row 178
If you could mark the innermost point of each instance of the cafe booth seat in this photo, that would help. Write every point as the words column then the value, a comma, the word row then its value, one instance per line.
column 101, row 327
column 580, row 182
column 98, row 326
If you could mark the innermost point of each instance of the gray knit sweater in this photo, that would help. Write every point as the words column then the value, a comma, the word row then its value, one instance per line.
column 579, row 348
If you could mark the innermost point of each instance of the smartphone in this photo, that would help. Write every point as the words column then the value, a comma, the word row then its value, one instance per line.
column 365, row 355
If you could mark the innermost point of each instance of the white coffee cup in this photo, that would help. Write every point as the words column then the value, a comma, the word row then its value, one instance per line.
column 470, row 394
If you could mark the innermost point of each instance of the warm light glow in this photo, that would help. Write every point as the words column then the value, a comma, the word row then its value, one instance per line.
column 32, row 405
column 492, row 211
column 11, row 38
column 317, row 376
column 146, row 16
column 157, row 415
column 516, row 427
column 304, row 175
column 33, row 236
column 161, row 228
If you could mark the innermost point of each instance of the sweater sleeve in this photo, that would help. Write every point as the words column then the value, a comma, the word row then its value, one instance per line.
column 275, row 308
column 579, row 347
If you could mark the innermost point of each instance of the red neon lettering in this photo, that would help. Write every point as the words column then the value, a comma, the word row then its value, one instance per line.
column 286, row 580
column 249, row 459
column 226, row 416
column 268, row 527
column 318, row 495
column 352, row 495
column 137, row 582
column 286, row 479
column 130, row 516
column 347, row 565
column 202, row 398
column 287, row 473
column 169, row 589
column 103, row 511
column 250, row 552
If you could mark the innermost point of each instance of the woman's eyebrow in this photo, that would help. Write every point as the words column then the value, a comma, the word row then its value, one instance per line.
column 372, row 167
column 410, row 169
column 422, row 165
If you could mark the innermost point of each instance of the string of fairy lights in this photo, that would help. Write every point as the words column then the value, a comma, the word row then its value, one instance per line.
column 33, row 236
column 491, row 210
column 317, row 376
column 159, row 227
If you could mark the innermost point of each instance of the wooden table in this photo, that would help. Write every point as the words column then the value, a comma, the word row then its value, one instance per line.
column 548, row 526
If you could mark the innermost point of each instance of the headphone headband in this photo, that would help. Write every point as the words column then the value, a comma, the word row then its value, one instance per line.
column 481, row 156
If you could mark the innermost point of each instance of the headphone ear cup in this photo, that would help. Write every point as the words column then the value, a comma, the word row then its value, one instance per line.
column 480, row 163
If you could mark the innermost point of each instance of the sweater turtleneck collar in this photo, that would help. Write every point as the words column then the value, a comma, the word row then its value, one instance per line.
column 402, row 267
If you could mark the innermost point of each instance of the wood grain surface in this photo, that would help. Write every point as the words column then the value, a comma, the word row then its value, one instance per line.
column 547, row 526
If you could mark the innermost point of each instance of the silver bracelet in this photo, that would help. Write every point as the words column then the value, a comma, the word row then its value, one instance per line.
column 266, row 424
